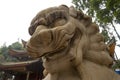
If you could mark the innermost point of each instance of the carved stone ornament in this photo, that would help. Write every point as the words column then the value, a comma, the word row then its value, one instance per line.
column 70, row 45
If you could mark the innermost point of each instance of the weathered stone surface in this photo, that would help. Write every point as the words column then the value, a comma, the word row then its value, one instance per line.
column 70, row 45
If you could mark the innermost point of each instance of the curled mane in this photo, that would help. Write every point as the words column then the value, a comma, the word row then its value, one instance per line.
column 47, row 17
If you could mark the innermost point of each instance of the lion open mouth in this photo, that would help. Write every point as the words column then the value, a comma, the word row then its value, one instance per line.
column 49, row 49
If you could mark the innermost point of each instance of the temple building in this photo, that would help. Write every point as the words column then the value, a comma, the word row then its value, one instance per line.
column 25, row 69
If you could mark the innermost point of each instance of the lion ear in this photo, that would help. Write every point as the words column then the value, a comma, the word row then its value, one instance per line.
column 87, row 20
column 64, row 7
column 78, row 14
column 72, row 11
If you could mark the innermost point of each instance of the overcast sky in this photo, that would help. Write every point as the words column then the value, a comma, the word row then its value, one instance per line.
column 16, row 15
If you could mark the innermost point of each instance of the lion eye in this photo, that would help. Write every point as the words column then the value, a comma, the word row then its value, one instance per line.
column 56, row 18
column 59, row 22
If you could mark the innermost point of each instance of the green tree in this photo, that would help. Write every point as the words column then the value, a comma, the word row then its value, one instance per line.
column 105, row 12
column 16, row 45
column 116, row 65
column 4, row 51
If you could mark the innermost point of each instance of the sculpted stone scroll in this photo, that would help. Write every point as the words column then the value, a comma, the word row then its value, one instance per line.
column 70, row 45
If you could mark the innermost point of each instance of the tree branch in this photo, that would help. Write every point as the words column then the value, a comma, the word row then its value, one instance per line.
column 115, row 30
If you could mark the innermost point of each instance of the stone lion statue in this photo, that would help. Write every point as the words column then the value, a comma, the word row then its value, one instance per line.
column 70, row 45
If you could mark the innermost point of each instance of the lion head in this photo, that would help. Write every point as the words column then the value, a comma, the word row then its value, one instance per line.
column 64, row 37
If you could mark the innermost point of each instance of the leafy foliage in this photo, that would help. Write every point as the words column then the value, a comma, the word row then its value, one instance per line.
column 4, row 51
column 105, row 12
column 16, row 45
column 4, row 55
column 116, row 65
column 104, row 32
